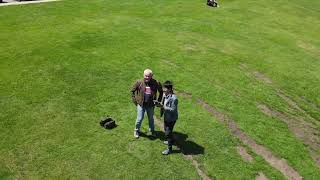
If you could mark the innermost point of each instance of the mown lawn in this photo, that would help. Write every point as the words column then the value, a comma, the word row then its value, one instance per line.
column 64, row 65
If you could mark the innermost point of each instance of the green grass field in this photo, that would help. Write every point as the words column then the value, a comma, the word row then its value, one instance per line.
column 66, row 64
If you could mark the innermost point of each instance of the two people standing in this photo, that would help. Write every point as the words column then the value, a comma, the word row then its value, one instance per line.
column 144, row 95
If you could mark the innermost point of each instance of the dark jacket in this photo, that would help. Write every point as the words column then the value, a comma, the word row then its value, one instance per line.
column 137, row 92
column 170, row 106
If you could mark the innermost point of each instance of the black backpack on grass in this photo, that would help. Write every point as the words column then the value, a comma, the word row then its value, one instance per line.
column 212, row 3
column 108, row 123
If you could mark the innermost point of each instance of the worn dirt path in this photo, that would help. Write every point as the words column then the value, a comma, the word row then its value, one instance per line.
column 279, row 164
column 194, row 162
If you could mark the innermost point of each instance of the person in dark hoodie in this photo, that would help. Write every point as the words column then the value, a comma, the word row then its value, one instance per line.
column 144, row 93
column 170, row 114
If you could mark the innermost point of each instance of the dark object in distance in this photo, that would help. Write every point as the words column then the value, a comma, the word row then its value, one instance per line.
column 212, row 3
column 108, row 123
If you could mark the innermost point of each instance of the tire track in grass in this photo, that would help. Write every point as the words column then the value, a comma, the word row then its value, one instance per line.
column 189, row 157
column 301, row 129
column 279, row 164
column 298, row 126
column 244, row 154
column 261, row 176
column 309, row 103
column 309, row 48
column 247, row 157
column 292, row 104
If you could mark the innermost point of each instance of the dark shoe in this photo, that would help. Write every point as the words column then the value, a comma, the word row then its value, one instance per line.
column 153, row 134
column 167, row 152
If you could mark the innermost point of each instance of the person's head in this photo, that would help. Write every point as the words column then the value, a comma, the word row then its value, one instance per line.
column 167, row 87
column 147, row 75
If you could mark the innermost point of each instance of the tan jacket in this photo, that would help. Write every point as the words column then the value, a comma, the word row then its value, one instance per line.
column 137, row 92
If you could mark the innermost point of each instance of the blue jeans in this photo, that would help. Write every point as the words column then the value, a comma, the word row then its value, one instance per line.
column 140, row 116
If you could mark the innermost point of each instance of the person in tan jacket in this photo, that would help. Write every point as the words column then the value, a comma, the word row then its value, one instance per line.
column 144, row 93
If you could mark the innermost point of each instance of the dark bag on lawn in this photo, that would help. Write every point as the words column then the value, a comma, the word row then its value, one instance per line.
column 108, row 123
column 212, row 3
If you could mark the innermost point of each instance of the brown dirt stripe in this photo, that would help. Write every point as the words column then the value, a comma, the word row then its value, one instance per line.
column 194, row 162
column 277, row 163
column 310, row 48
column 168, row 62
column 263, row 78
column 293, row 104
column 261, row 176
column 243, row 153
column 301, row 129
column 308, row 102
column 298, row 125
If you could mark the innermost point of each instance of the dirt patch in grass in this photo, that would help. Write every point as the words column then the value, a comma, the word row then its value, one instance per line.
column 261, row 176
column 243, row 153
column 310, row 48
column 309, row 103
column 189, row 157
column 300, row 128
column 168, row 62
column 190, row 47
column 293, row 105
column 279, row 164
column 290, row 102
column 263, row 78
column 197, row 166
column 316, row 158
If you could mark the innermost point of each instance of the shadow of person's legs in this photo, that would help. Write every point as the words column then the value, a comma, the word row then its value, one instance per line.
column 144, row 135
column 187, row 147
column 158, row 135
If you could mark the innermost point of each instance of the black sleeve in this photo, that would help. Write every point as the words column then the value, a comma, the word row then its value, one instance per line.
column 159, row 87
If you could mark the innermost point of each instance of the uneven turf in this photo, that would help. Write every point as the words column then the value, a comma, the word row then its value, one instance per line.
column 65, row 64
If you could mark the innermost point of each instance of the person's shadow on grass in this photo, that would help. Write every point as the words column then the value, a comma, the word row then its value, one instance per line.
column 185, row 146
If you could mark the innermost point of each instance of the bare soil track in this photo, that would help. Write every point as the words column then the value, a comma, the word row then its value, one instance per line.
column 189, row 157
column 303, row 130
column 278, row 163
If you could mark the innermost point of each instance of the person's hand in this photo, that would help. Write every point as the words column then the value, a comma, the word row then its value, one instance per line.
column 135, row 103
column 157, row 103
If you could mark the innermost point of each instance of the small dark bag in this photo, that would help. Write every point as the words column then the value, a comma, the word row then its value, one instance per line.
column 108, row 123
column 212, row 3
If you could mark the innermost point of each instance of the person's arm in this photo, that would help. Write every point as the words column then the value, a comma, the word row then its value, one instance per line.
column 172, row 107
column 133, row 91
column 159, row 88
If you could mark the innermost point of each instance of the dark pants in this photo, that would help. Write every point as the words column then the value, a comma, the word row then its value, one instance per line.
column 168, row 128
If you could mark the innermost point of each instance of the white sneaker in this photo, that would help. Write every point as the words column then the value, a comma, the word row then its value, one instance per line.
column 167, row 152
column 136, row 134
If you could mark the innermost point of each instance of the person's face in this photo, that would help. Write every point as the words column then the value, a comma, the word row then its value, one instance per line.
column 147, row 77
column 166, row 91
